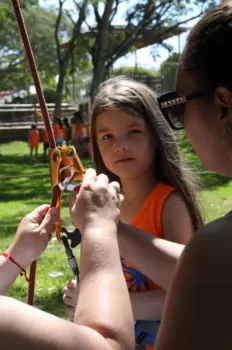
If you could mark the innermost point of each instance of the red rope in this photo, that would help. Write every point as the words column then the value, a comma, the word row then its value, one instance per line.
column 46, row 118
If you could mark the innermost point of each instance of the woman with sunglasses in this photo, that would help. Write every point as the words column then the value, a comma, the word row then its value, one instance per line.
column 199, row 308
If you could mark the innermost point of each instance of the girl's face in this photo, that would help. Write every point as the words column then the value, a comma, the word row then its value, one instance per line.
column 125, row 144
column 205, row 129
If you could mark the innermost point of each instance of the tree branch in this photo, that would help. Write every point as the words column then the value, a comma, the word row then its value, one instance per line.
column 57, row 26
column 75, row 33
column 85, row 21
column 114, row 56
column 96, row 13
column 114, row 11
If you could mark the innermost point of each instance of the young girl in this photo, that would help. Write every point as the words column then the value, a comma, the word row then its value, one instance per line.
column 34, row 142
column 133, row 144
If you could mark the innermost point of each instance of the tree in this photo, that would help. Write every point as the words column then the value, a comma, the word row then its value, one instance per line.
column 104, row 42
column 14, row 72
column 163, row 17
column 65, row 55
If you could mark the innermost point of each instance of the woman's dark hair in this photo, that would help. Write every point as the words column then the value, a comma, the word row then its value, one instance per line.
column 207, row 56
column 134, row 97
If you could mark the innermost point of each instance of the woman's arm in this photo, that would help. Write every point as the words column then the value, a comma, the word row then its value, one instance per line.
column 31, row 239
column 198, row 309
column 28, row 328
column 103, row 317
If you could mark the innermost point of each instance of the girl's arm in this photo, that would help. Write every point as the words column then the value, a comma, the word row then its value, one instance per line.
column 148, row 305
column 177, row 227
column 176, row 220
column 154, row 257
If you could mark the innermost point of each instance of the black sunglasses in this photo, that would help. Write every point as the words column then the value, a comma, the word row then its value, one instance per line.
column 173, row 107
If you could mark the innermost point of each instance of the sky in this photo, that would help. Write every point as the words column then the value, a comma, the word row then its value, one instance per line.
column 142, row 56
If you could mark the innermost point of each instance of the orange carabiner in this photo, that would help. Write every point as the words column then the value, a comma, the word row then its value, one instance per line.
column 65, row 167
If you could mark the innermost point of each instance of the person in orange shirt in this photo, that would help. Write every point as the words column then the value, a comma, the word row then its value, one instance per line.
column 59, row 132
column 133, row 144
column 33, row 142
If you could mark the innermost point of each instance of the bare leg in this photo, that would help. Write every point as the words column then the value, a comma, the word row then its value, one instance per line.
column 36, row 153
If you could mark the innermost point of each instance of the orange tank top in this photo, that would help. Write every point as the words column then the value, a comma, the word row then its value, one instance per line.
column 148, row 219
column 45, row 136
column 81, row 128
column 58, row 131
column 34, row 138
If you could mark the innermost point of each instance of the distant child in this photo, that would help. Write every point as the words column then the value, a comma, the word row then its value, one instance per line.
column 45, row 144
column 33, row 142
column 59, row 132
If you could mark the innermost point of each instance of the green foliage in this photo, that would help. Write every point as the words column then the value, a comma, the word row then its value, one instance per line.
column 130, row 71
column 172, row 60
column 14, row 71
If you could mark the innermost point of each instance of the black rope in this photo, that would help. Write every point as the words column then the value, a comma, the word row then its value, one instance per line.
column 71, row 258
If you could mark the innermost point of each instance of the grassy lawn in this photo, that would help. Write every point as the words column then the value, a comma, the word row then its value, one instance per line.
column 19, row 196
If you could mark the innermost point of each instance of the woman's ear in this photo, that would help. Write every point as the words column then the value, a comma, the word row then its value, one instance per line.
column 223, row 98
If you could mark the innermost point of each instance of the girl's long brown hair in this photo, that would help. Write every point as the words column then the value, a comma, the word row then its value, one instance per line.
column 129, row 95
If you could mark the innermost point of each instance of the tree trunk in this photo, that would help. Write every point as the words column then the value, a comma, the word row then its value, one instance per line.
column 98, row 76
column 100, row 48
column 59, row 92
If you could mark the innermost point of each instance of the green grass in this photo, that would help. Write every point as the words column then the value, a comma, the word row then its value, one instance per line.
column 19, row 196
column 215, row 191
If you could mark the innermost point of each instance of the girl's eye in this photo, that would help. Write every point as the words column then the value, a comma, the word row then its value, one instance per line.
column 135, row 131
column 106, row 137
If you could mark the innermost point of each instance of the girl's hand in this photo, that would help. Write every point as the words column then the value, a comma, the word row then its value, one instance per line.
column 71, row 293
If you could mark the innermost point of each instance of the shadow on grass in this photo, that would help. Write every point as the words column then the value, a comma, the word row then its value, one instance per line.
column 25, row 188
column 8, row 227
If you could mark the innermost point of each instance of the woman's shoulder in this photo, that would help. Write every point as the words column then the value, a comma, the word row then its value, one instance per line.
column 213, row 242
